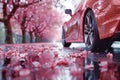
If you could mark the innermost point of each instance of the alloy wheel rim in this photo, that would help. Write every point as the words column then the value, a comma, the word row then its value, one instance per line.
column 88, row 30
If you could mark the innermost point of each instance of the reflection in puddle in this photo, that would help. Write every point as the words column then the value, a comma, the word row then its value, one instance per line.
column 104, row 68
column 49, row 62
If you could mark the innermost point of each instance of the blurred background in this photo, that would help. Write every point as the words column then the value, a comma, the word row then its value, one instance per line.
column 31, row 21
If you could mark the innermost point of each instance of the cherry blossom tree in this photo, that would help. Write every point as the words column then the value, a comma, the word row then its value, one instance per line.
column 37, row 17
column 9, row 8
column 42, row 18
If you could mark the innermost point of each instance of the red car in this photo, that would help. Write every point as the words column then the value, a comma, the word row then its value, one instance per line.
column 95, row 22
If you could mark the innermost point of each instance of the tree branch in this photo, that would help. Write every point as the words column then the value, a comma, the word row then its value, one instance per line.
column 25, row 21
column 15, row 17
column 4, row 10
column 41, row 29
column 30, row 18
column 35, row 29
column 13, row 11
column 16, row 6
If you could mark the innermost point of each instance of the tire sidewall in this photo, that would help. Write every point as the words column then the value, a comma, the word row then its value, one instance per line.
column 96, row 40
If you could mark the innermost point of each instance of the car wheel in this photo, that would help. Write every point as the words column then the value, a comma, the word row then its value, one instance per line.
column 64, row 43
column 91, row 37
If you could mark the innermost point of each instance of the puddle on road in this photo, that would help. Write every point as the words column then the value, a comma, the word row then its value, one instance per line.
column 49, row 62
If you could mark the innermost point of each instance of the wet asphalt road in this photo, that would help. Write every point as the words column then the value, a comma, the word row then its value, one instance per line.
column 50, row 61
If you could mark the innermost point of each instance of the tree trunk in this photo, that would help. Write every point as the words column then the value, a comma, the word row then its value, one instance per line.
column 36, row 38
column 8, row 31
column 23, row 36
column 31, row 37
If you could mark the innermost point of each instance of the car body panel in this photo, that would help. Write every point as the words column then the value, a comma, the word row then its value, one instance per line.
column 107, row 14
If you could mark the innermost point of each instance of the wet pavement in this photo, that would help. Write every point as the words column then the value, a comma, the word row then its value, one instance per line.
column 50, row 61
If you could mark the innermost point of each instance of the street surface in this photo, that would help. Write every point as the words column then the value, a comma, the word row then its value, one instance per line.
column 50, row 61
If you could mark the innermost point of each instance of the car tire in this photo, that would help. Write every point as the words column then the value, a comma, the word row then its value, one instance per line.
column 91, row 36
column 64, row 43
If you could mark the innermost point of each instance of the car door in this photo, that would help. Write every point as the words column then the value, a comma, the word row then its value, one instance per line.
column 72, row 33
